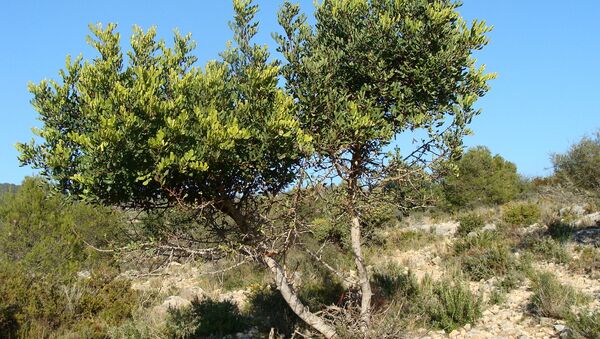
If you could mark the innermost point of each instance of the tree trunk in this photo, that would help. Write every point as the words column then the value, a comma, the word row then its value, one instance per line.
column 291, row 297
column 363, row 274
column 356, row 169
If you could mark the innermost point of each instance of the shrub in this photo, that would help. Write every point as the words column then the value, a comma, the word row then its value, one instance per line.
column 42, row 248
column 450, row 304
column 585, row 324
column 551, row 298
column 269, row 310
column 445, row 304
column 469, row 222
column 521, row 213
column 206, row 319
column 579, row 165
column 399, row 239
column 480, row 241
column 485, row 263
column 560, row 231
column 392, row 281
column 486, row 255
column 483, row 180
column 549, row 250
column 36, row 305
column 588, row 261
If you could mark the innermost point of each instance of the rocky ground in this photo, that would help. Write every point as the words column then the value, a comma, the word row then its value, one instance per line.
column 179, row 285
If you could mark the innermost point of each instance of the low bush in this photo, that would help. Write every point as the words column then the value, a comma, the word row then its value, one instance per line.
column 393, row 281
column 450, row 304
column 206, row 319
column 469, row 222
column 549, row 250
column 585, row 324
column 484, row 256
column 579, row 165
column 269, row 310
column 520, row 213
column 560, row 231
column 588, row 261
column 551, row 298
column 445, row 304
column 35, row 305
column 399, row 239
column 43, row 238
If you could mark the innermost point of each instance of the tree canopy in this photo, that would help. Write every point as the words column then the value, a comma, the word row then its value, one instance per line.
column 580, row 165
column 483, row 179
column 151, row 127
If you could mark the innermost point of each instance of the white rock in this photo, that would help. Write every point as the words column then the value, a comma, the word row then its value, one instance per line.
column 176, row 302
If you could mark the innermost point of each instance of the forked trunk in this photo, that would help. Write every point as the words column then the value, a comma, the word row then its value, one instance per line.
column 291, row 297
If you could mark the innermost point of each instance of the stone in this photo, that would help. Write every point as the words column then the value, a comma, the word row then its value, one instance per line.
column 559, row 327
column 84, row 275
column 191, row 293
column 575, row 210
column 546, row 321
column 176, row 302
column 489, row 227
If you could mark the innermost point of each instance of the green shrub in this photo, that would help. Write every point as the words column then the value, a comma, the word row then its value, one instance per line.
column 551, row 298
column 36, row 305
column 450, row 304
column 42, row 248
column 325, row 229
column 585, row 324
column 399, row 239
column 446, row 304
column 485, row 263
column 483, row 180
column 469, row 222
column 480, row 241
column 549, row 250
column 206, row 319
column 521, row 213
column 393, row 282
column 579, row 166
column 560, row 231
column 486, row 255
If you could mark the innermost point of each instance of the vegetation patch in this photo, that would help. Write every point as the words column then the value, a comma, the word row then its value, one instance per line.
column 553, row 299
column 585, row 324
column 521, row 213
column 206, row 319
column 470, row 222
column 445, row 304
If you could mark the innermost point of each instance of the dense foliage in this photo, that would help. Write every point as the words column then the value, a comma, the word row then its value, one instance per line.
column 50, row 280
column 483, row 179
column 147, row 126
column 579, row 165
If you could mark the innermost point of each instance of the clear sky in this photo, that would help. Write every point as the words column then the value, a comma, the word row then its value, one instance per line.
column 546, row 52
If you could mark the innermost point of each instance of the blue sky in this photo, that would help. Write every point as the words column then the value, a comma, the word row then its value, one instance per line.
column 546, row 53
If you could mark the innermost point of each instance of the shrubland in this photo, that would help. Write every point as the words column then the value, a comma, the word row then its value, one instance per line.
column 293, row 196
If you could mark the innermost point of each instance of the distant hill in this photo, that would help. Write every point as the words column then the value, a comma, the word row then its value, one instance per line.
column 7, row 187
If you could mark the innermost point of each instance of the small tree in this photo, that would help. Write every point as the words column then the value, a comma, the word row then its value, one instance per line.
column 482, row 179
column 580, row 165
column 370, row 70
column 153, row 131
